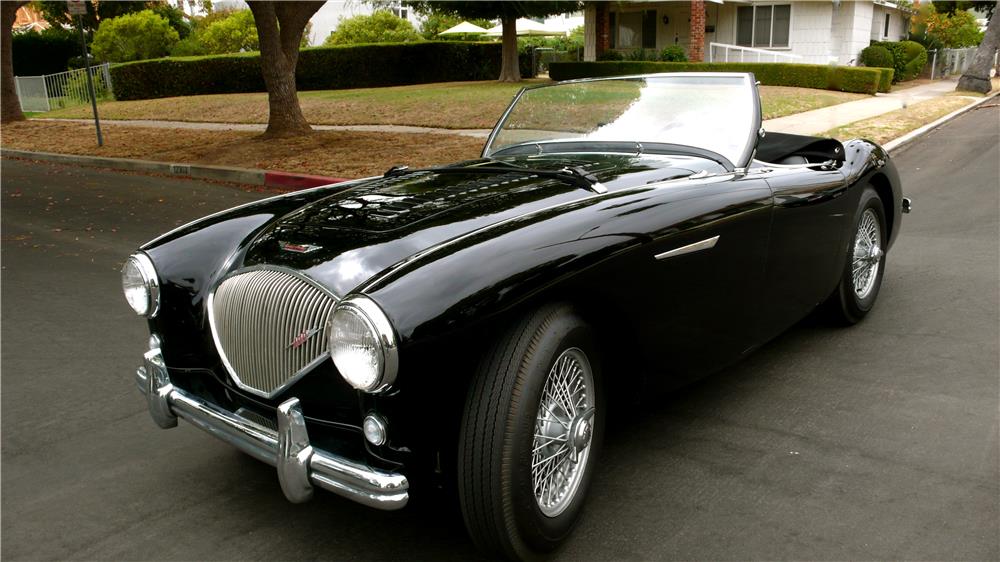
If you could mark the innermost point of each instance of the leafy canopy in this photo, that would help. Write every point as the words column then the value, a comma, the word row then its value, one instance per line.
column 956, row 30
column 436, row 22
column 380, row 27
column 136, row 36
column 495, row 10
column 231, row 34
column 54, row 11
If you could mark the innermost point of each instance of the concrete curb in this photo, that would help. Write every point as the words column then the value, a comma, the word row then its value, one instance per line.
column 895, row 145
column 286, row 180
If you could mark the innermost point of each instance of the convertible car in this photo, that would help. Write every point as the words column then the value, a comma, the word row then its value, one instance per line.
column 461, row 327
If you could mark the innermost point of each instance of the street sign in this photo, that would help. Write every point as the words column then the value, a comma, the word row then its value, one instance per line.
column 76, row 7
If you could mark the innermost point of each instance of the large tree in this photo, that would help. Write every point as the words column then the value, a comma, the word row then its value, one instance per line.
column 977, row 77
column 279, row 28
column 507, row 13
column 10, row 107
column 55, row 11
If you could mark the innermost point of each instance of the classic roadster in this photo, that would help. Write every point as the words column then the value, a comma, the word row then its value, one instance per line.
column 462, row 326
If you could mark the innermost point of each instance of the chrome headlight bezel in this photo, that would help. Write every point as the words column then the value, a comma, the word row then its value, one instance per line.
column 378, row 325
column 150, row 282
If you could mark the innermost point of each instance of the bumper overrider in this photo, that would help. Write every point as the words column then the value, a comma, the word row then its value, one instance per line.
column 300, row 465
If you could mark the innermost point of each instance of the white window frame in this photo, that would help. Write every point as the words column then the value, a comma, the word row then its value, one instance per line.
column 753, row 27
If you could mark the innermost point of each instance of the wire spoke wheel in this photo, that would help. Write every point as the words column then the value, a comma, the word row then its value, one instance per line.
column 563, row 431
column 867, row 257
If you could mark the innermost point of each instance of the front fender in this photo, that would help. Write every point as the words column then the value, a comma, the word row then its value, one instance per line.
column 869, row 163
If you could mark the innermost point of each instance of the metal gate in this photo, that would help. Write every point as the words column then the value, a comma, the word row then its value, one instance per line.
column 63, row 89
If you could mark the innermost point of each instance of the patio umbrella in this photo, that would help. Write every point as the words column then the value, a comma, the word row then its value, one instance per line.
column 525, row 27
column 463, row 28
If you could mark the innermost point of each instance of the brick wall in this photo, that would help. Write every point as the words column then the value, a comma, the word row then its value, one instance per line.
column 696, row 48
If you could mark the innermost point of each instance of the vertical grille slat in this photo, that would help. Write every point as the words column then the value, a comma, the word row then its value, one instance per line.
column 257, row 315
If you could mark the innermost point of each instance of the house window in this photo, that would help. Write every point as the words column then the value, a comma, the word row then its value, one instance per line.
column 763, row 26
column 399, row 10
column 633, row 30
column 885, row 30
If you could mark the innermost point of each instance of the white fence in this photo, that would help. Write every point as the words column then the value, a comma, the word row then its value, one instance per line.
column 724, row 52
column 945, row 62
column 64, row 89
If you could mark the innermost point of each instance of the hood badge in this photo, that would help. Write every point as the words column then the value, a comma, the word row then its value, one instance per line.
column 302, row 338
column 298, row 248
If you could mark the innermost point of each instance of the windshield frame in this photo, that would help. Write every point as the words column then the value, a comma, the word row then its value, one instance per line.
column 745, row 158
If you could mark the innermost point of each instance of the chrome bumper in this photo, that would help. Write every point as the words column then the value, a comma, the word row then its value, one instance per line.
column 299, row 464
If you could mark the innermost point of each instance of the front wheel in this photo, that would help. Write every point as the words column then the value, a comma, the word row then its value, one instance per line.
column 862, row 277
column 531, row 429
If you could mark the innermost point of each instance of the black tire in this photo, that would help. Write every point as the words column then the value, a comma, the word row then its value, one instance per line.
column 495, row 486
column 845, row 305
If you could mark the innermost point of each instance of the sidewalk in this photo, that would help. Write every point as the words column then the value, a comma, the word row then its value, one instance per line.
column 259, row 127
column 820, row 120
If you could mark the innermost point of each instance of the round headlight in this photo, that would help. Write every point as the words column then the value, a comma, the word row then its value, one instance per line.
column 141, row 287
column 363, row 344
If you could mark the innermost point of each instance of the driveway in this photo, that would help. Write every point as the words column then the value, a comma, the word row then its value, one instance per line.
column 875, row 442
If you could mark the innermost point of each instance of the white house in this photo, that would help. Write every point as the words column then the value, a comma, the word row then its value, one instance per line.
column 810, row 31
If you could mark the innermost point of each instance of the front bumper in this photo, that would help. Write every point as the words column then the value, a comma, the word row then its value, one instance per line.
column 299, row 464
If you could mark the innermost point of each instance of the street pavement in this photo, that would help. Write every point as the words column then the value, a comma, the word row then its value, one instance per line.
column 873, row 442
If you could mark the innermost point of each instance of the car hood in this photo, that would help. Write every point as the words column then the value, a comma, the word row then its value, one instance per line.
column 348, row 237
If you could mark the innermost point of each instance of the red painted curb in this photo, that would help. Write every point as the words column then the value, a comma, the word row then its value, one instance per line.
column 297, row 181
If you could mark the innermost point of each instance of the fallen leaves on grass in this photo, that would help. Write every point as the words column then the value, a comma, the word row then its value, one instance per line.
column 897, row 123
column 348, row 154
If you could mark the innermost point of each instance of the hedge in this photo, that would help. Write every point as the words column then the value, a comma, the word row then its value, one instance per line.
column 34, row 54
column 321, row 68
column 909, row 58
column 885, row 82
column 842, row 78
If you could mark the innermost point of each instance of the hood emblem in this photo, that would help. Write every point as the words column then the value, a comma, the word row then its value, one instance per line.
column 302, row 338
column 298, row 248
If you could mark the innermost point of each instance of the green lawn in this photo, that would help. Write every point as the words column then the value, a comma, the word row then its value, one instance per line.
column 453, row 105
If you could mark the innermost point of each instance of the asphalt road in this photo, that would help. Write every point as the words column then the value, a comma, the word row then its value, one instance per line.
column 874, row 442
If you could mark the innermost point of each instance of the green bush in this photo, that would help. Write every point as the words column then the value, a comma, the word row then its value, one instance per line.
column 916, row 59
column 320, row 68
column 232, row 34
column 34, row 54
column 885, row 81
column 380, row 27
column 137, row 36
column 673, row 53
column 824, row 77
column 876, row 56
column 908, row 58
column 611, row 55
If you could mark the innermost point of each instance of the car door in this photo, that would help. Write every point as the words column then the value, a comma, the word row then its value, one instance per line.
column 702, row 278
column 807, row 243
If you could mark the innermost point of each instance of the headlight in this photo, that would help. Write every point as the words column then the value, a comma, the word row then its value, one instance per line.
column 363, row 344
column 140, row 284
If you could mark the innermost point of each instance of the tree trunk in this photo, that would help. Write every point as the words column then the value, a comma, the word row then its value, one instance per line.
column 510, row 70
column 10, row 105
column 977, row 77
column 279, row 28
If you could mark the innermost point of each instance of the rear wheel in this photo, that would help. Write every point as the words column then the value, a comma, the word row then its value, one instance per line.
column 531, row 429
column 862, row 277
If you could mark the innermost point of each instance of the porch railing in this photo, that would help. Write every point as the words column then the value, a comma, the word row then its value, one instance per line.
column 724, row 52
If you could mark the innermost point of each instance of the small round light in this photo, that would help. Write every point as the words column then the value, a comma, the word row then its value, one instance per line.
column 140, row 285
column 374, row 428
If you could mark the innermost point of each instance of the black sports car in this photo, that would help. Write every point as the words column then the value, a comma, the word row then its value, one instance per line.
column 462, row 326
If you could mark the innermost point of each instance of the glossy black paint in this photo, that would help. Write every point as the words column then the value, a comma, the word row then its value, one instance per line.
column 452, row 259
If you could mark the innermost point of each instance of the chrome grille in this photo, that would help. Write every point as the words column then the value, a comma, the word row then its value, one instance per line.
column 270, row 327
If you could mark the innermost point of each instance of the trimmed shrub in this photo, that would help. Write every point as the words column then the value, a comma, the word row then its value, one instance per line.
column 876, row 56
column 321, row 68
column 916, row 59
column 611, row 55
column 673, row 53
column 381, row 27
column 842, row 78
column 885, row 81
column 34, row 54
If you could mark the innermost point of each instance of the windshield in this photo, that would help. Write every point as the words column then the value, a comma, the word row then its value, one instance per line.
column 714, row 112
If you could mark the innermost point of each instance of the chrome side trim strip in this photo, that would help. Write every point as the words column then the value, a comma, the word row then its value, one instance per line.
column 288, row 449
column 690, row 248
